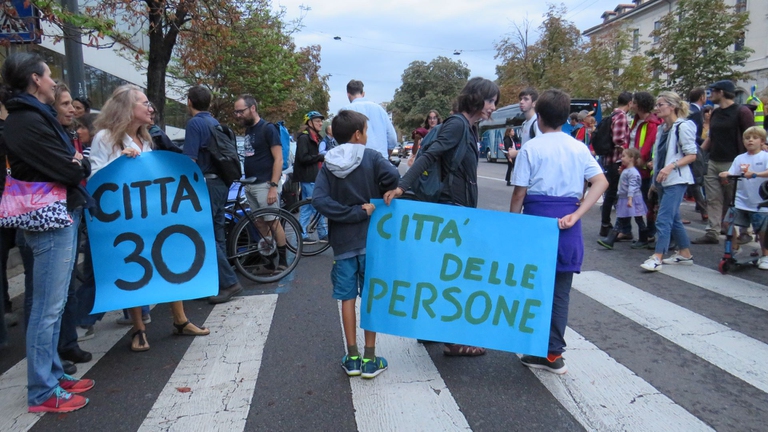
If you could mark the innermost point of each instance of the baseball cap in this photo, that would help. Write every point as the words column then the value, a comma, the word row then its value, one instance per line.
column 724, row 85
column 583, row 114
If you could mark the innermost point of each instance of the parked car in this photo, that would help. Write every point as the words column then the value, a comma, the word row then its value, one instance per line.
column 407, row 148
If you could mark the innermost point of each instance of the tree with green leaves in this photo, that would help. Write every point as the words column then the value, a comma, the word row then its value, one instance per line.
column 260, row 59
column 697, row 44
column 427, row 86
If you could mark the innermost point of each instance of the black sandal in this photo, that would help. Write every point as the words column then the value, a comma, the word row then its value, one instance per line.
column 140, row 344
column 185, row 330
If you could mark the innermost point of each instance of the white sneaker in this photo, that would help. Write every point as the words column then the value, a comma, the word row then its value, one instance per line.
column 678, row 259
column 762, row 263
column 651, row 264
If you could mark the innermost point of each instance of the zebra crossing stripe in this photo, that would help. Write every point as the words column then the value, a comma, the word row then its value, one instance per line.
column 712, row 341
column 603, row 395
column 13, row 383
column 411, row 390
column 213, row 385
column 745, row 291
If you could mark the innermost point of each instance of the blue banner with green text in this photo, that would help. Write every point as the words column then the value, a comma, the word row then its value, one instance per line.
column 460, row 275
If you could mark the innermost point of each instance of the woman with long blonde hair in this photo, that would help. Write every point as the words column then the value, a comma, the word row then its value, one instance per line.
column 122, row 129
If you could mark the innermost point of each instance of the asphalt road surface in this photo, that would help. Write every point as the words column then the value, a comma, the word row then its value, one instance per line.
column 678, row 350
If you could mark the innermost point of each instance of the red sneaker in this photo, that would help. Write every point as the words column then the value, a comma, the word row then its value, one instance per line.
column 60, row 402
column 74, row 385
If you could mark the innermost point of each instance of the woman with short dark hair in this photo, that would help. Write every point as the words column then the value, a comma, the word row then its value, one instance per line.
column 476, row 102
column 39, row 150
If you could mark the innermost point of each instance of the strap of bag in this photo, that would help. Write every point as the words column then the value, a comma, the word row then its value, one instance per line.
column 7, row 166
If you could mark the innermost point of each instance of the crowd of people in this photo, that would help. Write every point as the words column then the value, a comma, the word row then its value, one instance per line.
column 49, row 137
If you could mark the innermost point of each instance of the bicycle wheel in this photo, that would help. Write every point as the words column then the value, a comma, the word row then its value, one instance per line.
column 253, row 247
column 318, row 224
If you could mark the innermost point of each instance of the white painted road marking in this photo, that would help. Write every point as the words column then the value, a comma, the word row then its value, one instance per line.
column 410, row 395
column 745, row 291
column 220, row 371
column 712, row 341
column 603, row 395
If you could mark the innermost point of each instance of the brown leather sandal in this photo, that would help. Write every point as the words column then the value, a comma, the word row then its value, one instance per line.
column 189, row 329
column 456, row 350
column 139, row 341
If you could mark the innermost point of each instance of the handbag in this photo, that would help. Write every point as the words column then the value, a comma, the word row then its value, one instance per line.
column 33, row 206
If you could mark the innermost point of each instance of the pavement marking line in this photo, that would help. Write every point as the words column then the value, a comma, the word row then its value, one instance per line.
column 409, row 395
column 16, row 285
column 603, row 395
column 710, row 340
column 13, row 383
column 491, row 178
column 220, row 370
column 745, row 291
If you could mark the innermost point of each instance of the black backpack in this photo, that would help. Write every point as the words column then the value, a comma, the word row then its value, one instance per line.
column 602, row 137
column 223, row 149
column 430, row 182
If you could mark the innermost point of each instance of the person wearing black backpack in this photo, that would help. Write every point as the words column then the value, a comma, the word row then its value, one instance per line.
column 476, row 102
column 611, row 160
column 198, row 135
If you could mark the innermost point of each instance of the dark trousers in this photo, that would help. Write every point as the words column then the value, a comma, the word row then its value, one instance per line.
column 510, row 165
column 695, row 191
column 624, row 225
column 560, row 302
column 650, row 204
column 7, row 242
column 609, row 199
column 218, row 192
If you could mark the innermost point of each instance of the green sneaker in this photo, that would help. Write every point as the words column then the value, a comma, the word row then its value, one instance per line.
column 351, row 365
column 373, row 367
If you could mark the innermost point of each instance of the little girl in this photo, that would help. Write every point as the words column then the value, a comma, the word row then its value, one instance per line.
column 630, row 201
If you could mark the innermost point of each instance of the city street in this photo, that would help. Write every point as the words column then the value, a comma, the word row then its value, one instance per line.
column 678, row 350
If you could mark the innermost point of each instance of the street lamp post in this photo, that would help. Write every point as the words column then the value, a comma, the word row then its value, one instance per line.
column 74, row 70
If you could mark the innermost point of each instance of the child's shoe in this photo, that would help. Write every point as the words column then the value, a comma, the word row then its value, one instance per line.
column 351, row 365
column 373, row 367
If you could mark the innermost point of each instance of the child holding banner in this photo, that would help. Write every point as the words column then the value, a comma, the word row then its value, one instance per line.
column 351, row 177
column 549, row 181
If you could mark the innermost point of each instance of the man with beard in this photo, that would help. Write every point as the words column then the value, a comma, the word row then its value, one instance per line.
column 264, row 160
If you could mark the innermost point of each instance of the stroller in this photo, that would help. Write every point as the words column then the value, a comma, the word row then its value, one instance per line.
column 729, row 262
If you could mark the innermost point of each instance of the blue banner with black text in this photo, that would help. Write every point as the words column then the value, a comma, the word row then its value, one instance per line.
column 151, row 232
column 460, row 275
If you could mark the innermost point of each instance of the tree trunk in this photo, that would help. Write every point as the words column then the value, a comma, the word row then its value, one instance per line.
column 160, row 50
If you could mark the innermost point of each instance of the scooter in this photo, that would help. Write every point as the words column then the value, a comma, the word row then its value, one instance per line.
column 730, row 262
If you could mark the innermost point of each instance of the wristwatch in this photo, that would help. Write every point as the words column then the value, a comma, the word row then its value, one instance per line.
column 272, row 184
column 754, row 175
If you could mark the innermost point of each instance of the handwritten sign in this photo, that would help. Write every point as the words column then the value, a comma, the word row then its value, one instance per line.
column 151, row 232
column 460, row 275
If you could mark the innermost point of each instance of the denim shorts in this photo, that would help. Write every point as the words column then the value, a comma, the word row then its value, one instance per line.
column 347, row 276
column 745, row 218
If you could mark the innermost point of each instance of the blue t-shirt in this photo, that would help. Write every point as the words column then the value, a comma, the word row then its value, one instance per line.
column 259, row 140
column 196, row 140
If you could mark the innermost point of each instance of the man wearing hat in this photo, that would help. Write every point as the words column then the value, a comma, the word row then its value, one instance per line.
column 725, row 142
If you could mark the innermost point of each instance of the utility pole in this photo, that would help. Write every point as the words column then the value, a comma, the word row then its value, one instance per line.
column 74, row 71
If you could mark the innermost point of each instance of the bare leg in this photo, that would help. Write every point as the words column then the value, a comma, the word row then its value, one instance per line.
column 349, row 322
column 180, row 318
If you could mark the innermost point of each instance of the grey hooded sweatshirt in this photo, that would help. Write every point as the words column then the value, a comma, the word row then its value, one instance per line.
column 351, row 176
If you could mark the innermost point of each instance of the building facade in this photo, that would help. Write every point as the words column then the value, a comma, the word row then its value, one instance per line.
column 641, row 17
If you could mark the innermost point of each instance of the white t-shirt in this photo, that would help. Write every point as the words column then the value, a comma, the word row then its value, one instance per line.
column 526, row 132
column 554, row 164
column 103, row 152
column 748, row 190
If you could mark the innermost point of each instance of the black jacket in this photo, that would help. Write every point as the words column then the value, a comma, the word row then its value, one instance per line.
column 37, row 152
column 307, row 160
column 463, row 190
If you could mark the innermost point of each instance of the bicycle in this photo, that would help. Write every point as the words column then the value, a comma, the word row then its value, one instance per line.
column 313, row 244
column 252, row 243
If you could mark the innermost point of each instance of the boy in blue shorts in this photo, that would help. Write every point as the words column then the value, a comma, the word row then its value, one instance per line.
column 351, row 176
column 549, row 177
column 753, row 167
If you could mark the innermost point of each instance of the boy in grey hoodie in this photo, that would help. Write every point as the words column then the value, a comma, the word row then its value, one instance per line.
column 351, row 176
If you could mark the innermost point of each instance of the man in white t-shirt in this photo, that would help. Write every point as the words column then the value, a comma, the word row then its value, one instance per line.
column 527, row 106
column 549, row 177
column 381, row 134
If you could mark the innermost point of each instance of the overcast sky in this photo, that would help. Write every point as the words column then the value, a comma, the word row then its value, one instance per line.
column 379, row 39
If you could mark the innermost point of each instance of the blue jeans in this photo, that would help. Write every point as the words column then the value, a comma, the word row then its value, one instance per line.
column 54, row 256
column 218, row 193
column 560, row 302
column 306, row 212
column 86, row 293
column 668, row 221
